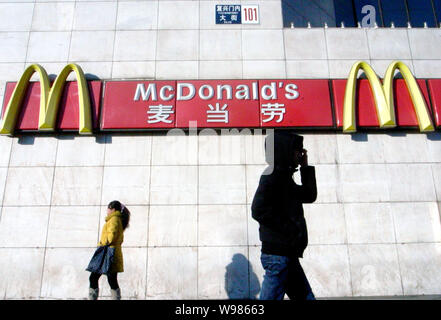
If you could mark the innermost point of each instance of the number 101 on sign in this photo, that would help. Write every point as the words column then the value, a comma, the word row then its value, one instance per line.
column 250, row 14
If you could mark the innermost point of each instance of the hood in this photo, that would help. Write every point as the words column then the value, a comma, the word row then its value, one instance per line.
column 279, row 148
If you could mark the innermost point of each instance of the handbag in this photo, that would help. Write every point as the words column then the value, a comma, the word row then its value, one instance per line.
column 102, row 260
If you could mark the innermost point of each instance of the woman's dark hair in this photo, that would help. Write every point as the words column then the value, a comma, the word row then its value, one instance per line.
column 125, row 213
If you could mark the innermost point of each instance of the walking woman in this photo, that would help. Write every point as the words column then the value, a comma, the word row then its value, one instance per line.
column 117, row 220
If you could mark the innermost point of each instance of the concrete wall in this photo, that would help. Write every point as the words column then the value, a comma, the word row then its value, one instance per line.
column 374, row 230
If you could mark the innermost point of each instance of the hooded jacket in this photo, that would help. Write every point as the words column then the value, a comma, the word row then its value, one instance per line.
column 113, row 235
column 277, row 204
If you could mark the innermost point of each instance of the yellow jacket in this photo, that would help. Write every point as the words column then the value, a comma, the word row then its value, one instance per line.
column 113, row 235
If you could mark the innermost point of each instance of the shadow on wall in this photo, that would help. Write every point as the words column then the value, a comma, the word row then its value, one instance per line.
column 240, row 280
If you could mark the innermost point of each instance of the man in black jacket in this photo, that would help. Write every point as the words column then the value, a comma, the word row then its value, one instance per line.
column 277, row 206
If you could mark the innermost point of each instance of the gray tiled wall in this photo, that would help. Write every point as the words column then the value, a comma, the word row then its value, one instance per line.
column 374, row 229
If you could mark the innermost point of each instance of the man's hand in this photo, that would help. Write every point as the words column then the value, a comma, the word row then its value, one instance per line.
column 304, row 158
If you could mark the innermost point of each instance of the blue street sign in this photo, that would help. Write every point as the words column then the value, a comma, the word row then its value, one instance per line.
column 228, row 14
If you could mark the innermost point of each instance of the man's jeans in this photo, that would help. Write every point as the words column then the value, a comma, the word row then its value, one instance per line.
column 284, row 275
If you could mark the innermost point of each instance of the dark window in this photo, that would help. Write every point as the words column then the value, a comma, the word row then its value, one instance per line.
column 394, row 11
column 421, row 11
column 437, row 7
column 317, row 13
column 344, row 12
column 365, row 9
column 367, row 13
column 294, row 14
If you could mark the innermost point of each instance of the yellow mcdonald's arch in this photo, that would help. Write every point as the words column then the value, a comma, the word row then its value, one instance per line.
column 49, row 100
column 384, row 97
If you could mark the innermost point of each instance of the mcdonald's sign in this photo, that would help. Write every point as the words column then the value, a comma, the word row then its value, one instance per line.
column 413, row 94
column 47, row 110
column 307, row 104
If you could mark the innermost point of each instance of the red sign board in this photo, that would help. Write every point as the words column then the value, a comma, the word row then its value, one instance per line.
column 138, row 105
column 435, row 91
column 68, row 112
column 366, row 111
column 289, row 103
column 295, row 103
column 217, row 104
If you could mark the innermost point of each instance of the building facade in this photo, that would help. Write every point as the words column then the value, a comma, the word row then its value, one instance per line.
column 373, row 231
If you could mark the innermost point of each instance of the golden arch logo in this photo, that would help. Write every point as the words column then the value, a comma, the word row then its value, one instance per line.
column 384, row 97
column 49, row 100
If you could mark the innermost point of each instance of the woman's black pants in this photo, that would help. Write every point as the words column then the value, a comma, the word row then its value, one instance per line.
column 111, row 278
